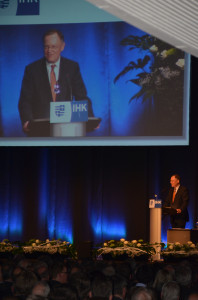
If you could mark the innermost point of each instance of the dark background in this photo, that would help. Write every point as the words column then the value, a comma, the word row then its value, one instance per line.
column 89, row 194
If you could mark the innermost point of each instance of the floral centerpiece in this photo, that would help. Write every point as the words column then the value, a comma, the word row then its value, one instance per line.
column 179, row 251
column 8, row 247
column 128, row 249
column 50, row 247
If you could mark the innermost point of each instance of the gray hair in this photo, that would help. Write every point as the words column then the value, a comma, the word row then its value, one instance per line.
column 170, row 291
column 41, row 288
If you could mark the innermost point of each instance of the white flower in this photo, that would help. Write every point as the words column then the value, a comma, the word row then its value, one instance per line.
column 164, row 54
column 192, row 246
column 177, row 243
column 167, row 73
column 47, row 241
column 37, row 241
column 125, row 242
column 138, row 245
column 180, row 63
column 170, row 247
column 189, row 242
column 134, row 241
column 105, row 244
column 34, row 245
column 153, row 48
column 122, row 240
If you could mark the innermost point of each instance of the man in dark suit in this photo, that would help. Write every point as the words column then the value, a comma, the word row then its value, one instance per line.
column 52, row 78
column 178, row 199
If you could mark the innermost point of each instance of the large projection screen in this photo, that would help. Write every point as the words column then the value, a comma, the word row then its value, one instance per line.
column 137, row 84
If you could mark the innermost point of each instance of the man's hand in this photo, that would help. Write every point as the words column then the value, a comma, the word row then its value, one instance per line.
column 178, row 211
column 26, row 126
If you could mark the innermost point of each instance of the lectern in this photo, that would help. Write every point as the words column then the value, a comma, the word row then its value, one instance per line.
column 155, row 224
column 67, row 119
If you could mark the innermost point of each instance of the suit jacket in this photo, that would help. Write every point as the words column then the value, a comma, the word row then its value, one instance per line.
column 181, row 201
column 35, row 97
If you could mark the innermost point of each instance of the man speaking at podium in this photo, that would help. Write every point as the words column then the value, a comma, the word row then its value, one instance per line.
column 177, row 199
column 52, row 78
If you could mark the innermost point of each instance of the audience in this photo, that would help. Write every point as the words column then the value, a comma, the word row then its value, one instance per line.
column 54, row 278
column 101, row 287
column 183, row 276
column 162, row 277
column 144, row 275
column 170, row 291
column 142, row 293
column 119, row 287
column 23, row 284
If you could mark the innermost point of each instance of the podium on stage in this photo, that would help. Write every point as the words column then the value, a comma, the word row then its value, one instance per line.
column 166, row 210
column 67, row 119
column 182, row 235
column 155, row 207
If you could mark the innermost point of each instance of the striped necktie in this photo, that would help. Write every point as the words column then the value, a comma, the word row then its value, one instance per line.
column 174, row 193
column 53, row 82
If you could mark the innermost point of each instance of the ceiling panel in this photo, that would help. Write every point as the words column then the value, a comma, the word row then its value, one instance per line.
column 174, row 21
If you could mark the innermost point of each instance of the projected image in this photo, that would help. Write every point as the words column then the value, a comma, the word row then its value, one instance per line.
column 133, row 83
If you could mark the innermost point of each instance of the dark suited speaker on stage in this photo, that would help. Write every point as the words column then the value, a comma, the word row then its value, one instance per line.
column 176, row 203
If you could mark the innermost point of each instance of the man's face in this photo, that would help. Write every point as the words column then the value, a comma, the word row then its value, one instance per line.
column 174, row 182
column 53, row 46
column 63, row 276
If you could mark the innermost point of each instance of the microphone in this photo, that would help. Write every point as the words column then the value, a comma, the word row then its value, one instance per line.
column 70, row 87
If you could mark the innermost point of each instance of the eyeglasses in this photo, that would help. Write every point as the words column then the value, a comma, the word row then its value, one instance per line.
column 50, row 47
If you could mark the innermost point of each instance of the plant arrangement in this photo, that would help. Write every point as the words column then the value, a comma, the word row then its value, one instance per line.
column 180, row 250
column 160, row 66
column 51, row 247
column 36, row 246
column 131, row 249
column 8, row 247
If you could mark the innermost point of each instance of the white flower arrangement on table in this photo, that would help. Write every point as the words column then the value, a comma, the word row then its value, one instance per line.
column 178, row 249
column 7, row 247
column 51, row 247
column 134, row 248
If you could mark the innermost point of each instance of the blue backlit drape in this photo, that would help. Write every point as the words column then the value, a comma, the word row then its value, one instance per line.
column 85, row 193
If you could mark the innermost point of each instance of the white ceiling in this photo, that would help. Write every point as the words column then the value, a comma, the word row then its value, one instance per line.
column 173, row 21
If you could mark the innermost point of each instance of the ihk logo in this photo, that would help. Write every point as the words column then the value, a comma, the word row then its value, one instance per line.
column 4, row 3
column 19, row 7
column 59, row 110
column 28, row 7
column 79, row 107
column 158, row 202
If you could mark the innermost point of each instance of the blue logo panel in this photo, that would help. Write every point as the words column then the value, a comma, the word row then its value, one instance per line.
column 59, row 110
column 4, row 3
column 69, row 111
